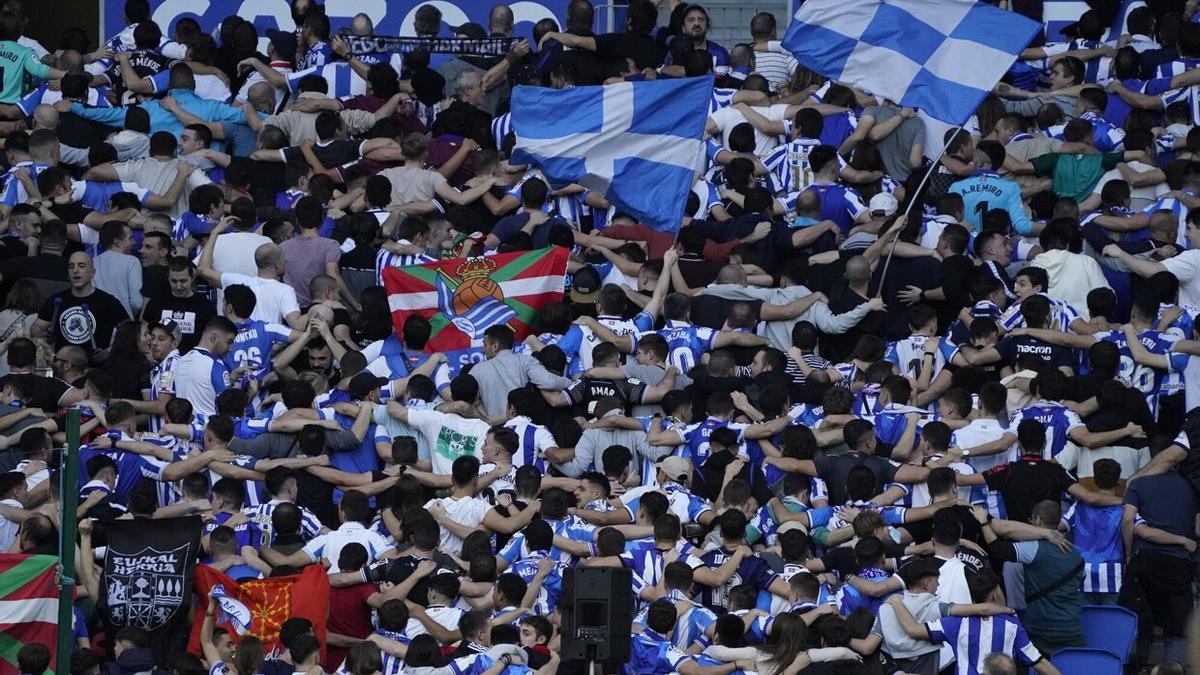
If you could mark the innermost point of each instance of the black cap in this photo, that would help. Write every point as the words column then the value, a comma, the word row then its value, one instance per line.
column 585, row 284
column 471, row 30
column 285, row 43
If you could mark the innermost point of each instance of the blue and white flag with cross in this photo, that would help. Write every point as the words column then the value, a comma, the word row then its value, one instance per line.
column 640, row 144
column 938, row 56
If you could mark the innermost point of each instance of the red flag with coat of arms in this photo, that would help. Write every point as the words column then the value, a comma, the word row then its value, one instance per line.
column 270, row 601
column 464, row 297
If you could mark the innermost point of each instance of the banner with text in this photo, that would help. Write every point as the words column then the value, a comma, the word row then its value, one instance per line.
column 391, row 17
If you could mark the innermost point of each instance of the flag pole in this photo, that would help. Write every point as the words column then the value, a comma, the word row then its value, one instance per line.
column 908, row 213
column 69, row 495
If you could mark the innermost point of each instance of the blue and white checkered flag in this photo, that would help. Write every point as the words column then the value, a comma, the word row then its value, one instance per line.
column 637, row 143
column 939, row 56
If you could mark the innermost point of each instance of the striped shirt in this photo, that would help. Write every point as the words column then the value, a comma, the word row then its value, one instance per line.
column 973, row 638
column 385, row 259
column 392, row 665
column 162, row 381
column 501, row 127
column 1061, row 316
column 310, row 526
column 1179, row 210
column 342, row 80
column 777, row 67
column 534, row 440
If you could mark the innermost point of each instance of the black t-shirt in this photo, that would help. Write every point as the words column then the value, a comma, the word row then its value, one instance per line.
column 70, row 213
column 88, row 322
column 834, row 468
column 840, row 559
column 922, row 530
column 12, row 247
column 588, row 390
column 589, row 67
column 154, row 281
column 710, row 311
column 956, row 274
column 397, row 570
column 316, row 495
column 144, row 62
column 644, row 51
column 46, row 391
column 191, row 314
column 49, row 267
column 697, row 271
column 1026, row 482
column 1013, row 346
column 332, row 154
column 359, row 259
column 902, row 273
column 267, row 179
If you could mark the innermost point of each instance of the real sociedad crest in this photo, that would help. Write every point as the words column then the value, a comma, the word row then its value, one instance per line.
column 474, row 302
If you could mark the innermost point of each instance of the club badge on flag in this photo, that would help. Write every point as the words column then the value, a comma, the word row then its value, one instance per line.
column 464, row 297
column 938, row 56
column 268, row 602
column 28, row 606
column 147, row 581
column 640, row 144
column 232, row 611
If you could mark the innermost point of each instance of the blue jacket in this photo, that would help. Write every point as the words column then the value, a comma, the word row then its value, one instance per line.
column 162, row 119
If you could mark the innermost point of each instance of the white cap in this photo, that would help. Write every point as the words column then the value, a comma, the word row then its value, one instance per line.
column 883, row 203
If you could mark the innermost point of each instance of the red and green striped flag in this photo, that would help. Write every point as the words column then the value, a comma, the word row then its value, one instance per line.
column 28, row 606
column 464, row 297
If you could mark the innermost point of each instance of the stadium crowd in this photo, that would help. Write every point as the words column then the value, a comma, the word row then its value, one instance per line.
column 841, row 422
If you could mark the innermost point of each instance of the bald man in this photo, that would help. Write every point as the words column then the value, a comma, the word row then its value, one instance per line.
column 47, row 117
column 276, row 300
column 500, row 21
column 82, row 315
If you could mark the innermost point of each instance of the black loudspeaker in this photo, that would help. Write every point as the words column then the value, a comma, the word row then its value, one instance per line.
column 597, row 613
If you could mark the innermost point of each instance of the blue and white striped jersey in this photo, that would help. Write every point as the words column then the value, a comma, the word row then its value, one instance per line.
column 972, row 638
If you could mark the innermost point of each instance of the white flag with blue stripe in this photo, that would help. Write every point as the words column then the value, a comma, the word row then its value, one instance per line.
column 637, row 143
column 939, row 56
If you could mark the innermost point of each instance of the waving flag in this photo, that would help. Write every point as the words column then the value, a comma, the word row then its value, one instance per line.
column 270, row 602
column 147, row 581
column 939, row 56
column 640, row 144
column 464, row 297
column 28, row 606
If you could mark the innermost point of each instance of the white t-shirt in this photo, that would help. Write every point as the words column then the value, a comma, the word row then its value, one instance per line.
column 449, row 436
column 329, row 545
column 468, row 511
column 728, row 118
column 8, row 529
column 979, row 432
column 952, row 583
column 1080, row 461
column 1139, row 197
column 276, row 299
column 1186, row 266
column 234, row 252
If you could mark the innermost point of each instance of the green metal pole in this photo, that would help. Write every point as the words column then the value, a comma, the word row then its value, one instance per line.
column 69, row 475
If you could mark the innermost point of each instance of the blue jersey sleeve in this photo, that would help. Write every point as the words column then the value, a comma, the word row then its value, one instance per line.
column 891, row 355
column 512, row 550
column 820, row 517
column 571, row 341
column 159, row 81
column 32, row 100
column 643, row 321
